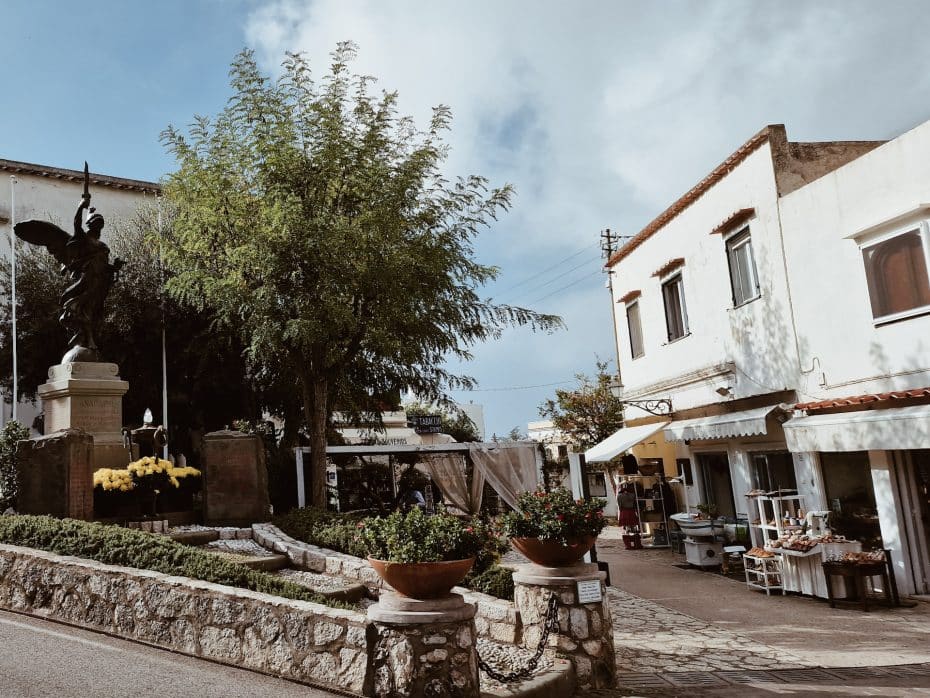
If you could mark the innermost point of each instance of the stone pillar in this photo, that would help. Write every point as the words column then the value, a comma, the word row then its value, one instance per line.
column 56, row 475
column 235, row 480
column 424, row 648
column 585, row 633
column 88, row 396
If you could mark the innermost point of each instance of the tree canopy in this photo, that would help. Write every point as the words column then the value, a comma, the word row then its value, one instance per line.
column 587, row 414
column 318, row 223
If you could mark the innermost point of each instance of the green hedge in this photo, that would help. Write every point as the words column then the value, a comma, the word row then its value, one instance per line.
column 128, row 548
column 339, row 532
column 328, row 530
column 494, row 581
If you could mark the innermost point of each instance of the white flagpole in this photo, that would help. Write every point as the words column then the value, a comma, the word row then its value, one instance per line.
column 13, row 291
column 164, row 361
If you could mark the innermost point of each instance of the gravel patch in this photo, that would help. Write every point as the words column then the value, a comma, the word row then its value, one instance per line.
column 506, row 659
column 246, row 548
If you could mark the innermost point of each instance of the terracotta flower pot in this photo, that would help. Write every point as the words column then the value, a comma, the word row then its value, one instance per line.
column 422, row 580
column 551, row 553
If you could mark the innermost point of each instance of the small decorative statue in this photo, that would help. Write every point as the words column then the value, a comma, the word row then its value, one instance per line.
column 86, row 260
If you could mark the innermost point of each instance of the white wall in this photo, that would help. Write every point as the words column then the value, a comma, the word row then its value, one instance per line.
column 56, row 200
column 836, row 333
column 756, row 336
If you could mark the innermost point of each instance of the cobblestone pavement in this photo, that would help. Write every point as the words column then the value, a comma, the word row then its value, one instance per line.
column 650, row 638
column 893, row 681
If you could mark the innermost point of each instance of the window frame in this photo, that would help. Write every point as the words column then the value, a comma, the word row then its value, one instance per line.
column 634, row 304
column 677, row 278
column 922, row 228
column 739, row 239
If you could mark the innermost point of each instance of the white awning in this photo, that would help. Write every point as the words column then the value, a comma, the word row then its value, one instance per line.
column 863, row 430
column 621, row 441
column 721, row 426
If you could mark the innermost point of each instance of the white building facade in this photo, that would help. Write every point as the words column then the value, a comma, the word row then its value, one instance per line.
column 793, row 276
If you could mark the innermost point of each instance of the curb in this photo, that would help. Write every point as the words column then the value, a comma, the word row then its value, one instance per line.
column 558, row 682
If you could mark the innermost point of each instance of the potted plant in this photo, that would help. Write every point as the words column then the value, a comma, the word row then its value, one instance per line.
column 553, row 529
column 419, row 555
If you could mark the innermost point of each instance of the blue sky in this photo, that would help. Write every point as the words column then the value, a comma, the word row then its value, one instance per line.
column 600, row 114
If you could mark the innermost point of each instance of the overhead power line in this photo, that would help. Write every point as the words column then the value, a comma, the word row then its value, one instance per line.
column 517, row 387
column 555, row 278
column 568, row 285
column 550, row 268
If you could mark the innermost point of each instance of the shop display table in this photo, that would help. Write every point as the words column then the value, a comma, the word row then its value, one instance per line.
column 803, row 572
column 858, row 572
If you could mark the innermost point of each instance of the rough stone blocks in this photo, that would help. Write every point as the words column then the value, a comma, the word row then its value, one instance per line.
column 235, row 485
column 56, row 475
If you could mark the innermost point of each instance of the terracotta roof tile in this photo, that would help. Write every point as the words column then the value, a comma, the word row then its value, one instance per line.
column 629, row 296
column 692, row 194
column 669, row 266
column 734, row 220
column 863, row 399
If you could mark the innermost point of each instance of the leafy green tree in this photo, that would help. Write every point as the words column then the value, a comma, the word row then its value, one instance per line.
column 11, row 433
column 589, row 413
column 317, row 222
column 454, row 421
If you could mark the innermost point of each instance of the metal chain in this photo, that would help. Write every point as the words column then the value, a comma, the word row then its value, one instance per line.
column 551, row 623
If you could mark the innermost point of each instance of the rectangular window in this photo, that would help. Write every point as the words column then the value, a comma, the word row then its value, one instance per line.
column 636, row 330
column 743, row 277
column 773, row 471
column 896, row 271
column 676, row 314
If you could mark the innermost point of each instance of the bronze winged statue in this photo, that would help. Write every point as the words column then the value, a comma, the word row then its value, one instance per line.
column 85, row 258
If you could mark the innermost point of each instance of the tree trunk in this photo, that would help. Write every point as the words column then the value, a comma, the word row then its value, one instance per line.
column 316, row 392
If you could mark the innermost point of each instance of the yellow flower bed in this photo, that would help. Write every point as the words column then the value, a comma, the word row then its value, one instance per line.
column 125, row 479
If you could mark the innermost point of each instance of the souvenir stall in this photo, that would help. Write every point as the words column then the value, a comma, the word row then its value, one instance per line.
column 795, row 550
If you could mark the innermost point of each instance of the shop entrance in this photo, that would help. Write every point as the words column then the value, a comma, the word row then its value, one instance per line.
column 914, row 492
column 718, row 485
column 847, row 478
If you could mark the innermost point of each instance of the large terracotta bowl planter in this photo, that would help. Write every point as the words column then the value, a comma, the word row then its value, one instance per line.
column 551, row 553
column 422, row 580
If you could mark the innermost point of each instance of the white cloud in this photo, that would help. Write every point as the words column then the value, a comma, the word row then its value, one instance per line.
column 601, row 114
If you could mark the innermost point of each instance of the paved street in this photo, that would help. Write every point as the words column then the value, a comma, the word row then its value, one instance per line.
column 685, row 632
column 42, row 659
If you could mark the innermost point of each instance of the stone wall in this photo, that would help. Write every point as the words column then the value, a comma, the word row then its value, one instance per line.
column 293, row 639
column 584, row 635
column 435, row 661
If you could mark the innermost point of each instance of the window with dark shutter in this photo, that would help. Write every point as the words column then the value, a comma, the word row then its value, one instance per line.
column 896, row 271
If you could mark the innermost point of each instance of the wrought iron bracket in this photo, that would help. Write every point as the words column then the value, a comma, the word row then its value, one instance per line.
column 661, row 406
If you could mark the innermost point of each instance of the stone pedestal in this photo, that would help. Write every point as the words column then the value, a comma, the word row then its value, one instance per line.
column 56, row 475
column 585, row 634
column 88, row 396
column 424, row 648
column 235, row 485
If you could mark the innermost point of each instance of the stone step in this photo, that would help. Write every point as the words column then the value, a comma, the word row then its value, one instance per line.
column 195, row 537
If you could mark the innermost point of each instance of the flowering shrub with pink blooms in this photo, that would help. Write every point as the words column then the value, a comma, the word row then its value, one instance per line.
column 554, row 515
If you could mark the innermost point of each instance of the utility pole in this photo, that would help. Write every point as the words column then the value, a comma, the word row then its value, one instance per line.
column 609, row 244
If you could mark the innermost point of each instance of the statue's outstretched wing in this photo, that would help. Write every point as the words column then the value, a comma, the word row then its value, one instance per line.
column 46, row 234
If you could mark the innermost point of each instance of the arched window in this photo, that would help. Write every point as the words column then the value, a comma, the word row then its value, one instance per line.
column 896, row 270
